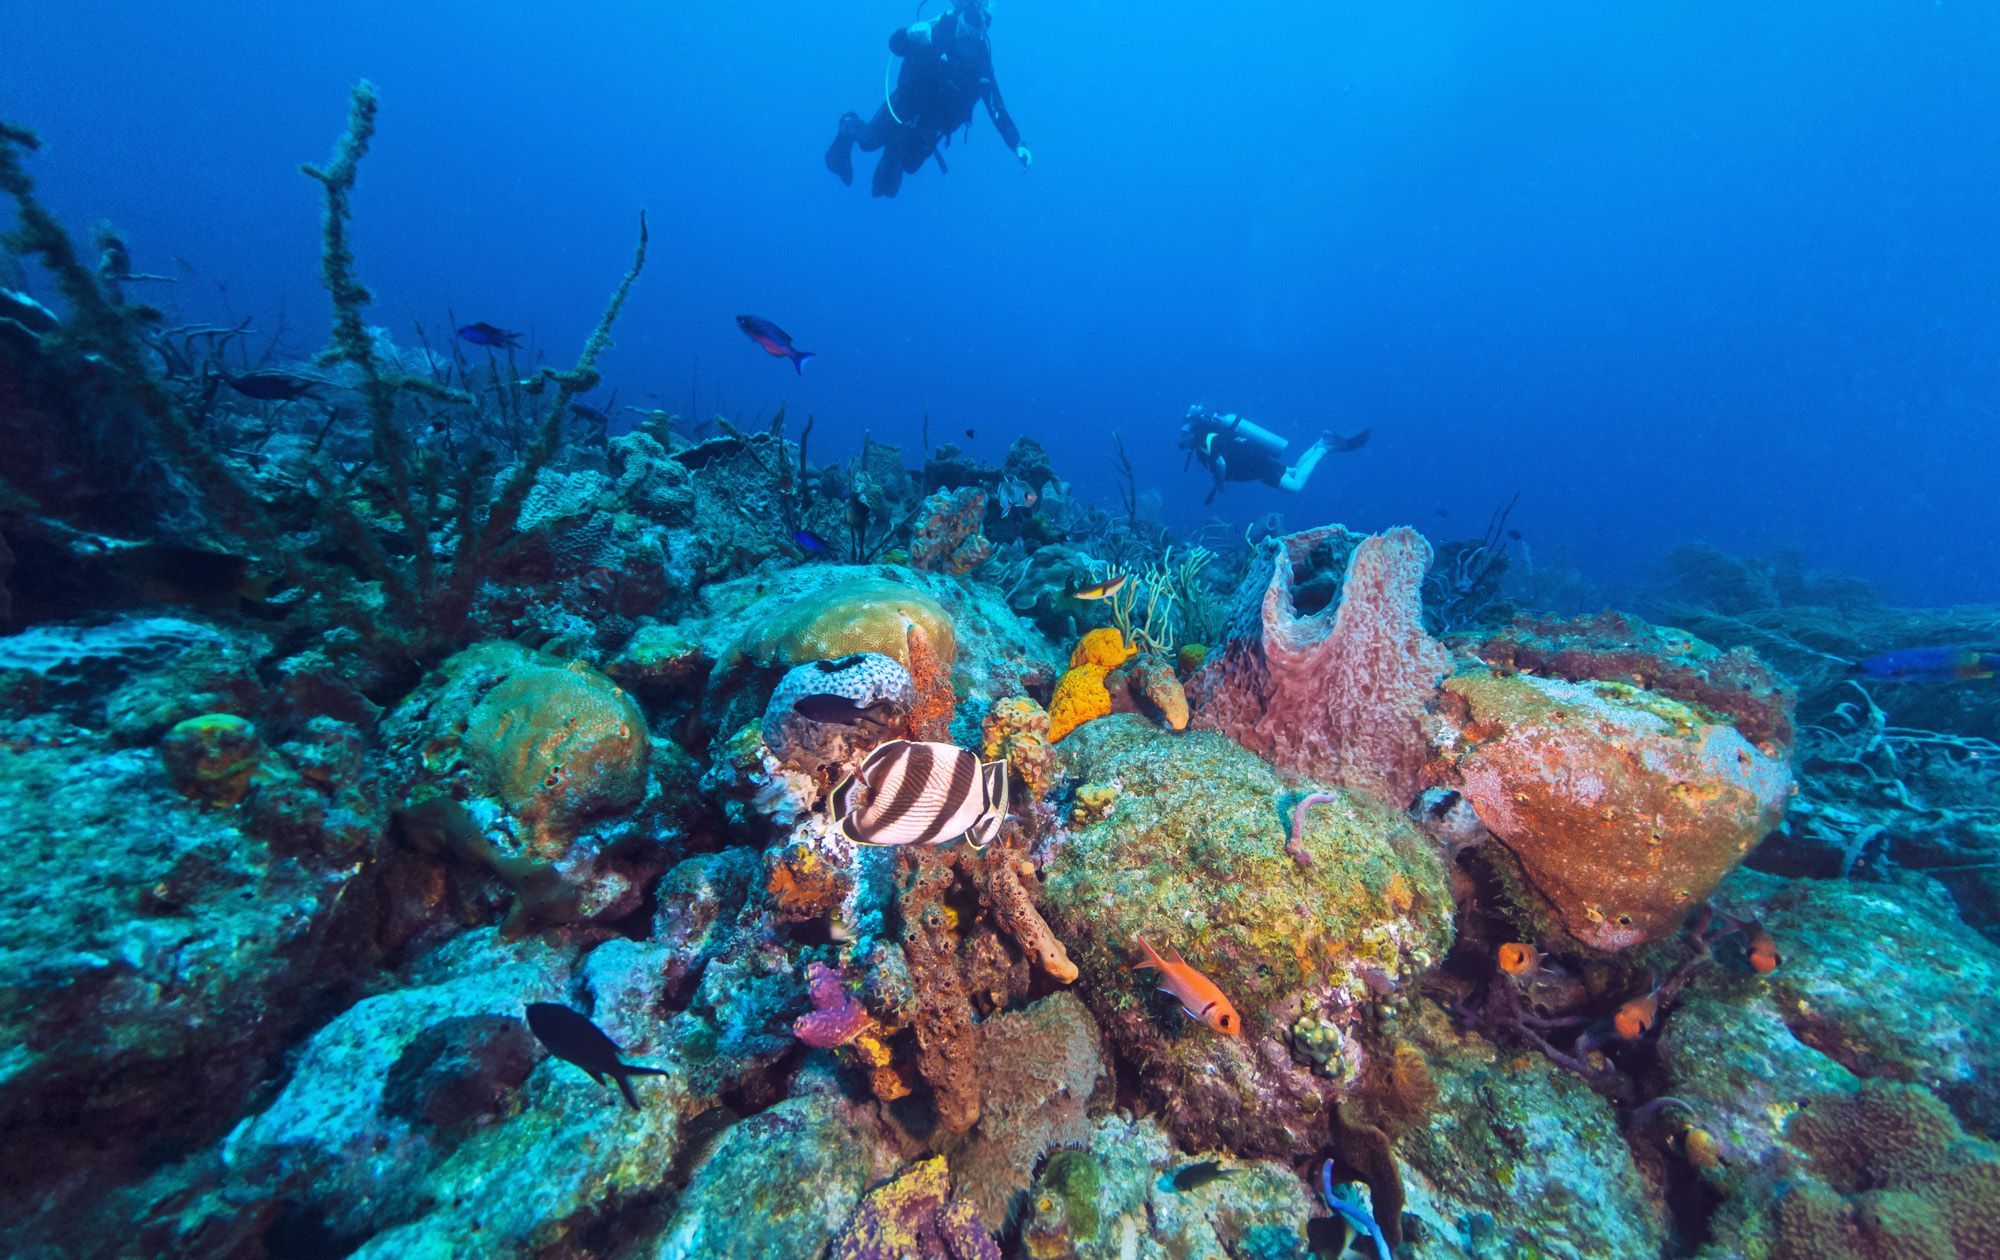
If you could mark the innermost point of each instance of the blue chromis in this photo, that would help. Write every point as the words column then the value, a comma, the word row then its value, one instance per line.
column 484, row 334
column 810, row 543
column 1930, row 664
column 571, row 1037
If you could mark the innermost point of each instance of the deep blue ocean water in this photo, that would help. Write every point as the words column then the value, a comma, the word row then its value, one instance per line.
column 1707, row 270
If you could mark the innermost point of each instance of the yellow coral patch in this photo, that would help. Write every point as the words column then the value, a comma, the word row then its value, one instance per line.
column 1106, row 647
column 1080, row 697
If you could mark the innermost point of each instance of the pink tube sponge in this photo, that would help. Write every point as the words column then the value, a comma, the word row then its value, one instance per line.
column 1336, row 695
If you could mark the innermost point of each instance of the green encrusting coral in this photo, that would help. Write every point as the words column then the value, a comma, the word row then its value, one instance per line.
column 1194, row 858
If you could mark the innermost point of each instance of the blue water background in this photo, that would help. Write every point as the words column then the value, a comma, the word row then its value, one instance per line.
column 1701, row 270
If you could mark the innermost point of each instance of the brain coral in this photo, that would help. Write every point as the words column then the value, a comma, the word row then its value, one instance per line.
column 561, row 744
column 1624, row 808
column 865, row 614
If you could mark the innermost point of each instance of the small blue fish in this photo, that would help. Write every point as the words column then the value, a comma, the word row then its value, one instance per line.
column 1350, row 1209
column 483, row 334
column 775, row 341
column 813, row 544
column 1930, row 664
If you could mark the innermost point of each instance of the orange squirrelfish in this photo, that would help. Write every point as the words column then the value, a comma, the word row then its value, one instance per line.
column 1196, row 993
column 1764, row 956
column 1635, row 1019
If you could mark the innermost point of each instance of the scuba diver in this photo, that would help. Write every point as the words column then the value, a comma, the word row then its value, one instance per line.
column 947, row 68
column 1233, row 449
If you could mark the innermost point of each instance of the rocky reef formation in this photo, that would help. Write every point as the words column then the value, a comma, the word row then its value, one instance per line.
column 325, row 764
column 1623, row 808
column 1193, row 856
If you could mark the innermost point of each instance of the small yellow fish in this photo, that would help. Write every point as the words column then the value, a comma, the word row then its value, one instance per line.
column 1101, row 590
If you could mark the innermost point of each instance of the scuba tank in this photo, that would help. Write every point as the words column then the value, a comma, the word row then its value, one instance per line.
column 1236, row 426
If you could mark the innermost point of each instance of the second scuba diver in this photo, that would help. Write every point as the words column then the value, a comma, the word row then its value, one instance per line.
column 947, row 69
column 1233, row 449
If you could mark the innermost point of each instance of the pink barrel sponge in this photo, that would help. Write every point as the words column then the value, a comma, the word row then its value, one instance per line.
column 1338, row 695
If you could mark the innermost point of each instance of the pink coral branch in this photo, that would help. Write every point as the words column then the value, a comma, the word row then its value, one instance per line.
column 1297, row 845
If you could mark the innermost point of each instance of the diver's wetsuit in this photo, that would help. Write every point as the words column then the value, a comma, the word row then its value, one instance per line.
column 947, row 68
column 1228, row 455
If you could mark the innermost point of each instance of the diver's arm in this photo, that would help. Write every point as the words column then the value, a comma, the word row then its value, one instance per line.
column 1003, row 120
column 905, row 40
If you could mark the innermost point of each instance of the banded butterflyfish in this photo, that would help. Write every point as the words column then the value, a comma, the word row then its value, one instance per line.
column 912, row 792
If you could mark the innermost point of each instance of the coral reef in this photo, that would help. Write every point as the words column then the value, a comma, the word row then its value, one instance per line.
column 1016, row 731
column 1338, row 697
column 1194, row 857
column 946, row 536
column 350, row 706
column 1624, row 809
column 915, row 1215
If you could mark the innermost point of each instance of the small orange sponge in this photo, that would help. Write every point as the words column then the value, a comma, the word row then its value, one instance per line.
column 1105, row 647
column 1080, row 697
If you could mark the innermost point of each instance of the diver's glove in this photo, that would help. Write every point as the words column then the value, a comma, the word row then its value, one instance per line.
column 1027, row 158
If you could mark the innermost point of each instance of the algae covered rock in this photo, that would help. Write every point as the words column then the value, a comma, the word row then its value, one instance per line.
column 1624, row 808
column 781, row 1183
column 155, row 955
column 1113, row 1196
column 1194, row 858
column 1877, row 980
column 1880, row 1171
column 1518, row 1157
